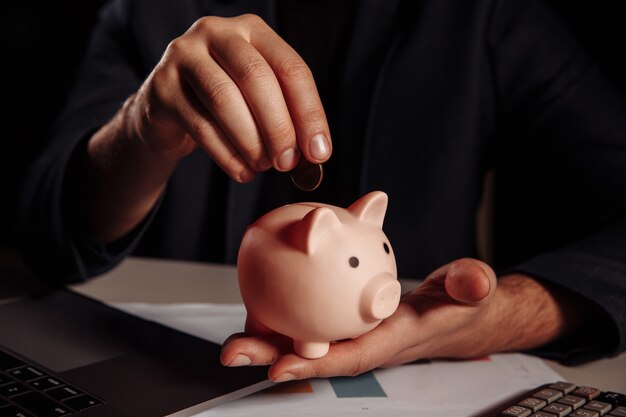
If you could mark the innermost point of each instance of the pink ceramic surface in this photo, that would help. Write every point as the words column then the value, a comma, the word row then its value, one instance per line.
column 318, row 273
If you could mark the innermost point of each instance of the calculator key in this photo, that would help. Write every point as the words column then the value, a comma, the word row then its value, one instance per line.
column 619, row 412
column 542, row 414
column 82, row 402
column 27, row 373
column 557, row 409
column 587, row 393
column 534, row 404
column 564, row 387
column 45, row 383
column 598, row 406
column 63, row 393
column 572, row 401
column 41, row 405
column 584, row 413
column 13, row 411
column 8, row 361
column 516, row 411
column 549, row 395
column 612, row 398
column 13, row 388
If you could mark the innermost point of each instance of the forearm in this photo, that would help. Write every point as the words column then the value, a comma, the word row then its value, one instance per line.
column 116, row 180
column 527, row 314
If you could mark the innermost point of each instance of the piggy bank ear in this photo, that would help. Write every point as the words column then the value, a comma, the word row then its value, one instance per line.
column 371, row 208
column 313, row 226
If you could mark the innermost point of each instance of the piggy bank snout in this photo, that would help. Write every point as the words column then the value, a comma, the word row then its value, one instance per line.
column 380, row 297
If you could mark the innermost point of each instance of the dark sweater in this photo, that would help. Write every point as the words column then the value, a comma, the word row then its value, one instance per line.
column 427, row 97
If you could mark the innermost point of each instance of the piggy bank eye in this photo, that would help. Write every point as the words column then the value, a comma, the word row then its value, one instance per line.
column 386, row 247
column 353, row 261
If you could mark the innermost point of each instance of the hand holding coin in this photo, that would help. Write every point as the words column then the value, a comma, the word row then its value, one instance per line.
column 307, row 176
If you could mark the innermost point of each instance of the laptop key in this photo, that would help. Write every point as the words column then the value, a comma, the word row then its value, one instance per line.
column 13, row 388
column 41, row 405
column 8, row 361
column 45, row 383
column 13, row 411
column 27, row 373
column 63, row 393
column 5, row 379
column 82, row 402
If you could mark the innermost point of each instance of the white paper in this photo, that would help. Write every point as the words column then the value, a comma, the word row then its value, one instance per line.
column 214, row 322
column 437, row 389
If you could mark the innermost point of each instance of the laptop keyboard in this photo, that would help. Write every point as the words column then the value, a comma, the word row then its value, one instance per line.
column 27, row 391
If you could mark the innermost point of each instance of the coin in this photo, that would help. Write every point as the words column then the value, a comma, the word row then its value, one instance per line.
column 306, row 175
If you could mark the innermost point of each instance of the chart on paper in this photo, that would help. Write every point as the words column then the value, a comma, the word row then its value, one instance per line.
column 362, row 386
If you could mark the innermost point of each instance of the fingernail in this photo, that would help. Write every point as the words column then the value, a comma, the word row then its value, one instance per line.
column 318, row 147
column 265, row 164
column 285, row 377
column 287, row 160
column 240, row 360
column 246, row 175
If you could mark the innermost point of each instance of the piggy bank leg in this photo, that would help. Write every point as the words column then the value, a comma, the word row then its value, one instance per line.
column 311, row 350
column 253, row 326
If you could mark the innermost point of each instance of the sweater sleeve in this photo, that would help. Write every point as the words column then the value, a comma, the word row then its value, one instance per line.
column 559, row 111
column 52, row 246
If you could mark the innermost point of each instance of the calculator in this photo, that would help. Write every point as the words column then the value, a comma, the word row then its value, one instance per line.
column 561, row 399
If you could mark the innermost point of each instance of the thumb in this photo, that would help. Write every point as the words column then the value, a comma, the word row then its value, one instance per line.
column 470, row 281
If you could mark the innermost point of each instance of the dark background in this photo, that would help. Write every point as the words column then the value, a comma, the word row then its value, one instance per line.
column 42, row 45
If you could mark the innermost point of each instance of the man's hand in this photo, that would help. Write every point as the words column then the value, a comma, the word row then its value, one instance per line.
column 233, row 87
column 457, row 312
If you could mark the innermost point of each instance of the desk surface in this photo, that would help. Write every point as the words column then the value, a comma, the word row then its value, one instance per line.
column 159, row 281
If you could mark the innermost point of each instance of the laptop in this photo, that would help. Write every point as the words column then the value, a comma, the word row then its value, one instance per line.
column 62, row 353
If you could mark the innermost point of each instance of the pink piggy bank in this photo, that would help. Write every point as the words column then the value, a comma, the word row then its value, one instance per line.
column 318, row 273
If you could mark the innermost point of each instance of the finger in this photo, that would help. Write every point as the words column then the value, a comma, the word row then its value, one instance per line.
column 242, row 349
column 300, row 93
column 221, row 96
column 263, row 95
column 343, row 358
column 200, row 125
column 467, row 281
column 347, row 358
column 470, row 281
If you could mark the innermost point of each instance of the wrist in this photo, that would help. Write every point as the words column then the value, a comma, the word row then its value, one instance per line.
column 123, row 177
column 527, row 313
